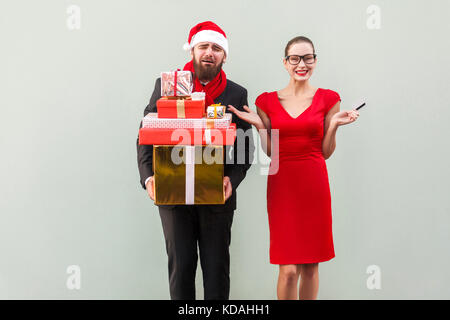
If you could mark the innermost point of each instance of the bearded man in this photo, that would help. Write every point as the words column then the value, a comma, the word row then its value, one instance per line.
column 203, row 229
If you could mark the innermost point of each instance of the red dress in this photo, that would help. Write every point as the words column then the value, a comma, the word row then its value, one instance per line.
column 298, row 194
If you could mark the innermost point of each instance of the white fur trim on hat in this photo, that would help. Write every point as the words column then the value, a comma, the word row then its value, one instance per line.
column 208, row 36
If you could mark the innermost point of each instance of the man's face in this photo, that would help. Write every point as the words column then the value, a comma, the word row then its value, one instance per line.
column 208, row 58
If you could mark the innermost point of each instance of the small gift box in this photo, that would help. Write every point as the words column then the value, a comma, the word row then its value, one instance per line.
column 188, row 175
column 188, row 136
column 198, row 96
column 215, row 111
column 176, row 83
column 151, row 120
column 169, row 107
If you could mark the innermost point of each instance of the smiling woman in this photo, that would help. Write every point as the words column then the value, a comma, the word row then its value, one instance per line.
column 298, row 194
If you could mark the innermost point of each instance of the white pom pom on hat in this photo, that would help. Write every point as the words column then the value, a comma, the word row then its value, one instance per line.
column 207, row 31
column 186, row 46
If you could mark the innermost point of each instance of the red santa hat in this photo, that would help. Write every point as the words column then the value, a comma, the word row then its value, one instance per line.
column 207, row 31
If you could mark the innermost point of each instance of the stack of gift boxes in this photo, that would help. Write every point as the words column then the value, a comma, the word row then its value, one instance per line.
column 188, row 139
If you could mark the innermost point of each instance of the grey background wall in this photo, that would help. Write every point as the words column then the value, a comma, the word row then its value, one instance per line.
column 71, row 101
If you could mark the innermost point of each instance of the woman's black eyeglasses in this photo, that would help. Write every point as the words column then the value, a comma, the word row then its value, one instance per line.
column 307, row 58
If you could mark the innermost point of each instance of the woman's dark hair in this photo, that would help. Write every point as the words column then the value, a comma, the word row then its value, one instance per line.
column 297, row 40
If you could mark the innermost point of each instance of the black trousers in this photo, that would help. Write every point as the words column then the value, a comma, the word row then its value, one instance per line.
column 186, row 228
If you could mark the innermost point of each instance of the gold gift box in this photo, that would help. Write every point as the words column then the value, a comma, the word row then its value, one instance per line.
column 188, row 174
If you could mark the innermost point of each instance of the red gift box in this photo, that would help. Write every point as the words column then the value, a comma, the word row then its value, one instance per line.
column 190, row 136
column 180, row 108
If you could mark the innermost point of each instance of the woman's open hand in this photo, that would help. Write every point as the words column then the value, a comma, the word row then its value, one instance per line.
column 248, row 115
column 345, row 117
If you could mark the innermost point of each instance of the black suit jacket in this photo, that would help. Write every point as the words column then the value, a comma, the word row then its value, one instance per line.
column 236, row 165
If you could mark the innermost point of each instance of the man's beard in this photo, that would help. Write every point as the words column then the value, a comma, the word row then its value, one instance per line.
column 206, row 73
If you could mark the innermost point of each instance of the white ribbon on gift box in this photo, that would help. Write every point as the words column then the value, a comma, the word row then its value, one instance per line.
column 190, row 174
column 208, row 136
column 190, row 169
